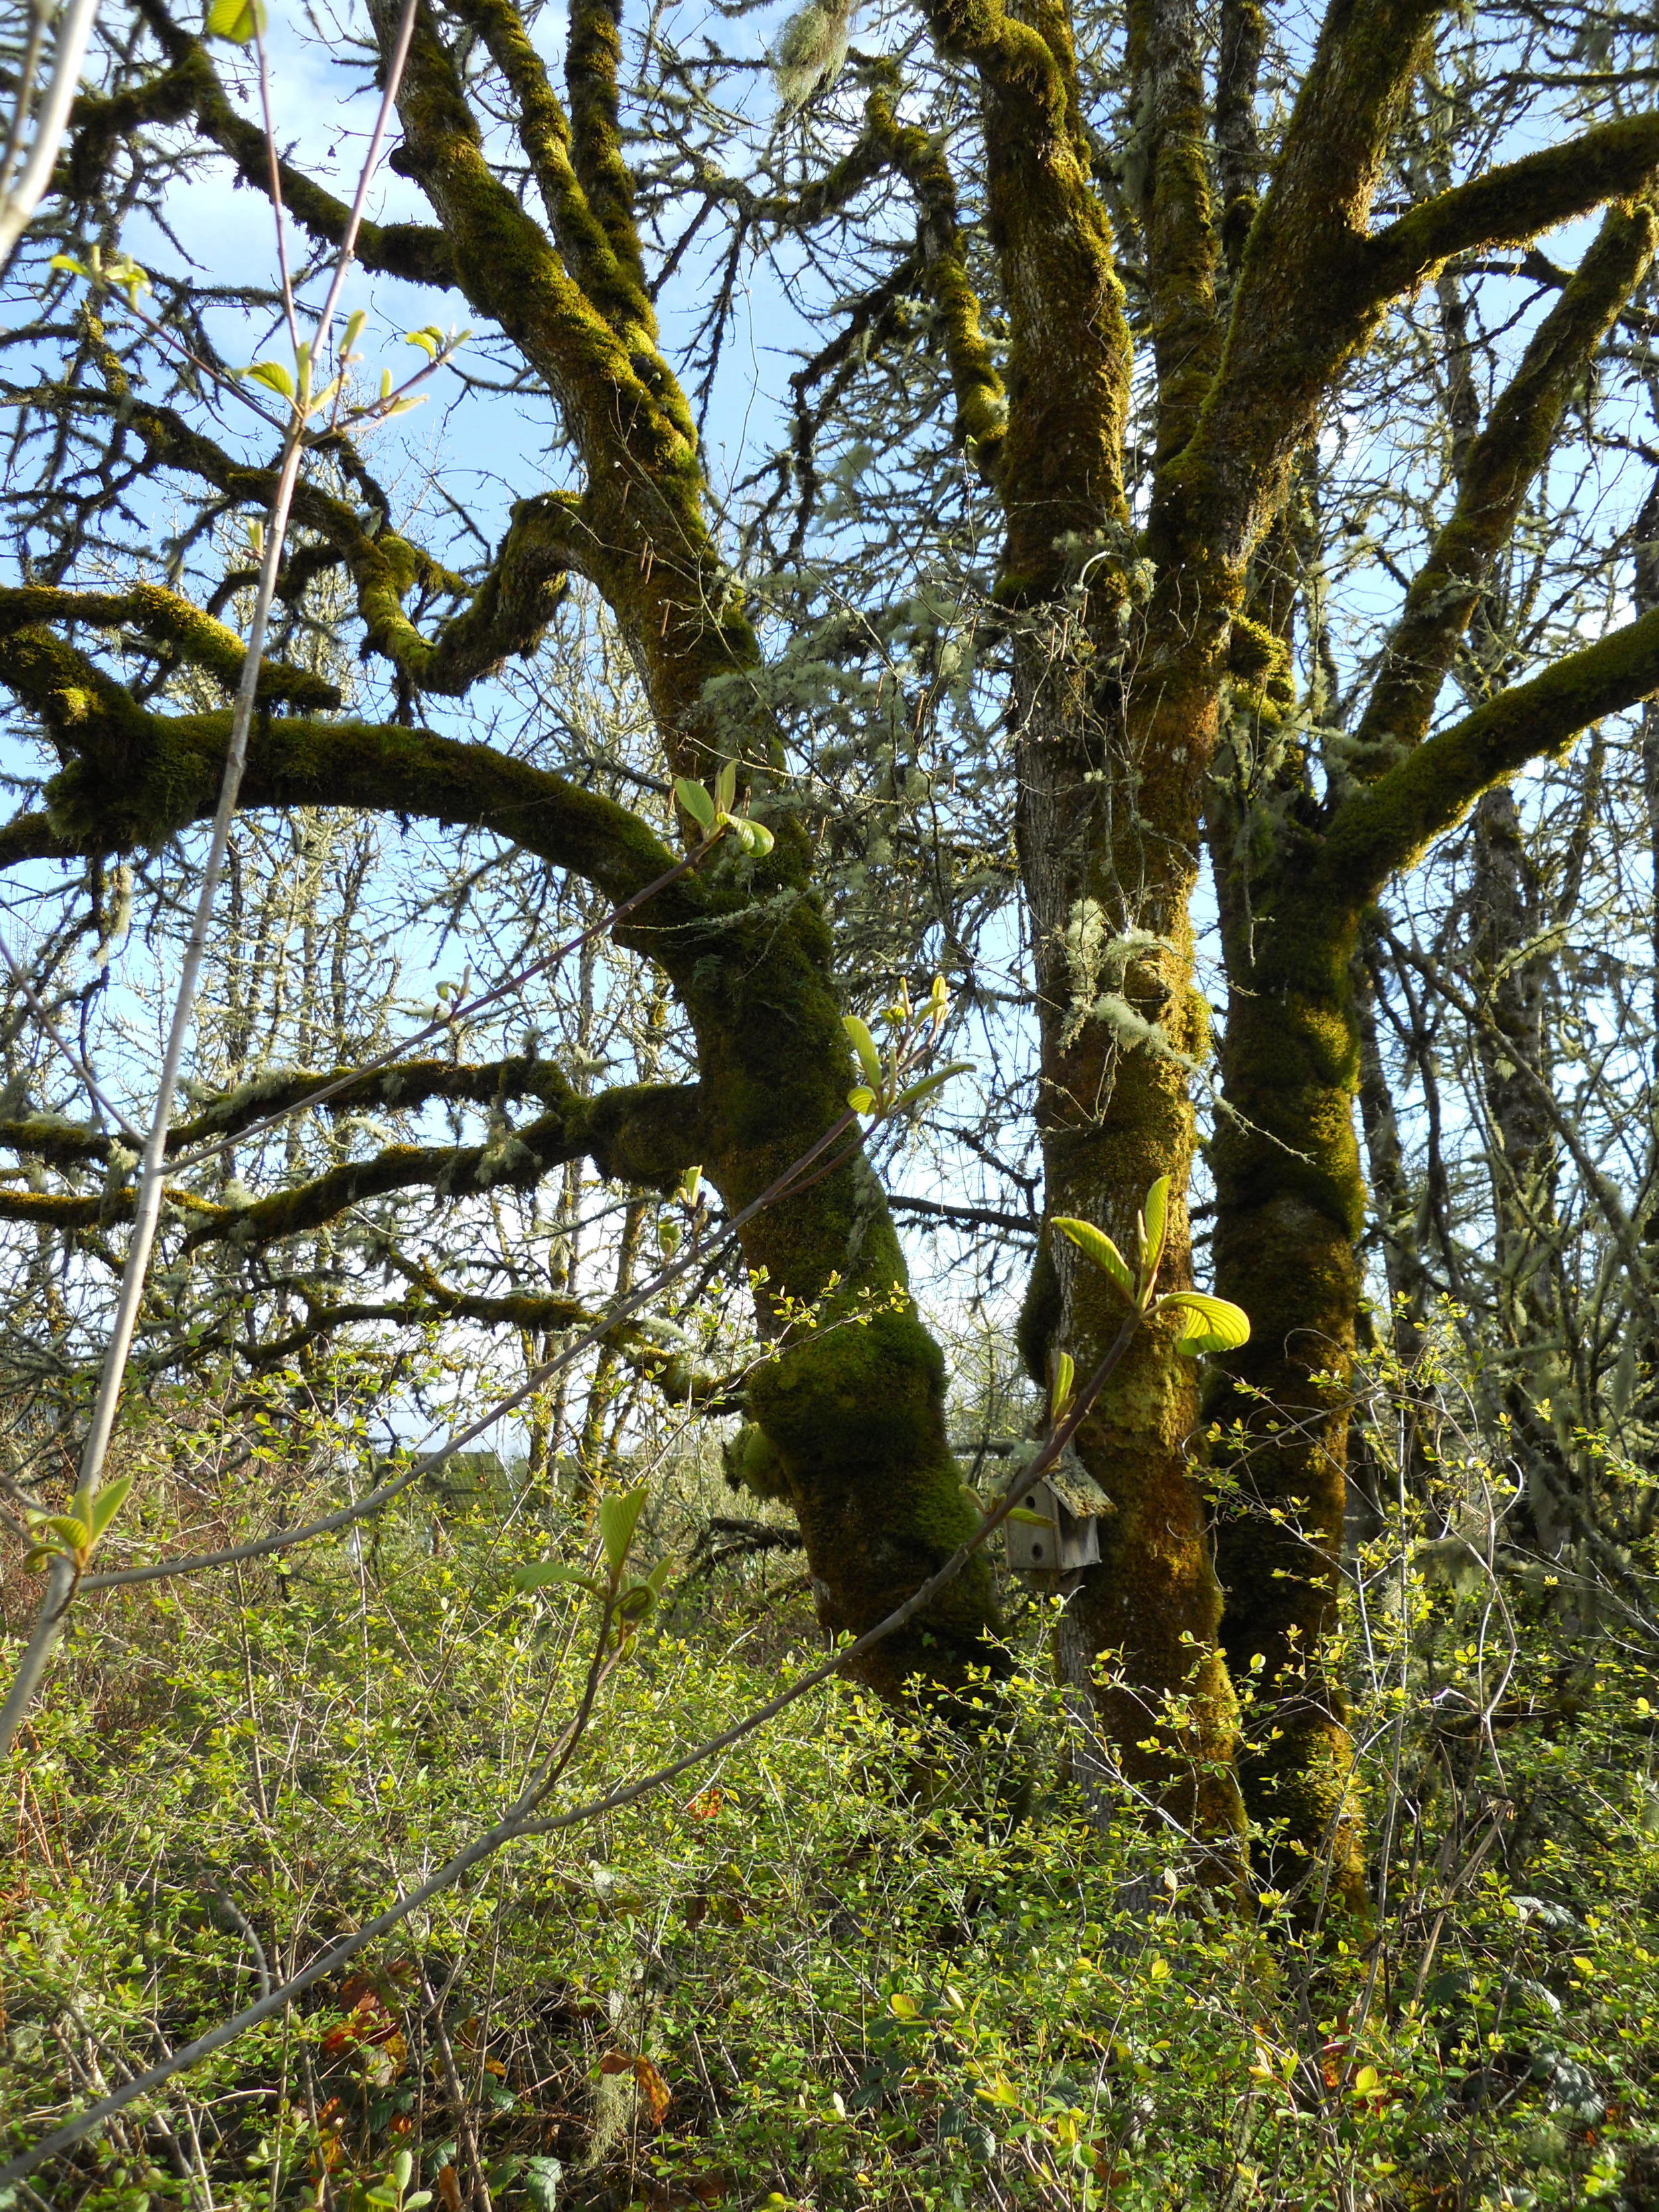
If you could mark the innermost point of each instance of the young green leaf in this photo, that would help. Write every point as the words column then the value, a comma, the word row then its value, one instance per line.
column 1060, row 1397
column 1154, row 1220
column 71, row 1532
column 273, row 376
column 353, row 331
column 67, row 263
column 108, row 1503
column 238, row 21
column 540, row 1577
column 1213, row 1325
column 929, row 1084
column 694, row 801
column 619, row 1515
column 865, row 1045
column 726, row 786
column 429, row 340
column 861, row 1099
column 755, row 839
column 1098, row 1246
column 1032, row 1520
column 690, row 1183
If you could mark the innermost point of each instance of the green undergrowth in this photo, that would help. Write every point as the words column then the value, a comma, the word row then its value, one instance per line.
column 830, row 1969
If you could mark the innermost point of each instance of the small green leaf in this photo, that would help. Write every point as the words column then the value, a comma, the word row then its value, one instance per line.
column 429, row 340
column 273, row 376
column 619, row 1516
column 865, row 1045
column 1154, row 1220
column 755, row 839
column 1033, row 1520
column 403, row 406
column 1217, row 1325
column 694, row 801
column 1098, row 1246
column 1065, row 1374
column 353, row 331
column 540, row 2183
column 690, row 1183
column 108, row 1503
column 238, row 21
column 861, row 1099
column 68, row 262
column 538, row 1577
column 726, row 786
column 403, row 2167
column 929, row 1084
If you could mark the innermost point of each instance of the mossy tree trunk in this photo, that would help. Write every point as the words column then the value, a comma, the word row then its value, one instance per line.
column 1296, row 873
column 1289, row 1205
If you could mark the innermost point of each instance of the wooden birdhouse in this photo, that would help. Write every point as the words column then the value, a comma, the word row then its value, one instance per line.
column 1069, row 1503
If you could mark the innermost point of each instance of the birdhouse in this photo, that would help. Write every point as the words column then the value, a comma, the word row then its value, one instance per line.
column 1067, row 1535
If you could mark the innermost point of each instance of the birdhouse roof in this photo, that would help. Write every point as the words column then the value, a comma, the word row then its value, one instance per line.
column 1077, row 1489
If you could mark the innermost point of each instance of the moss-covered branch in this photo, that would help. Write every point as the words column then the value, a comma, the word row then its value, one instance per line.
column 1385, row 825
column 668, row 1368
column 982, row 407
column 1305, row 300
column 1238, row 135
column 133, row 778
column 1500, row 466
column 190, row 87
column 1068, row 364
column 1178, row 219
column 170, row 620
column 400, row 1088
column 505, row 613
column 640, row 1134
column 593, row 56
column 1510, row 205
column 404, row 1087
column 592, row 220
